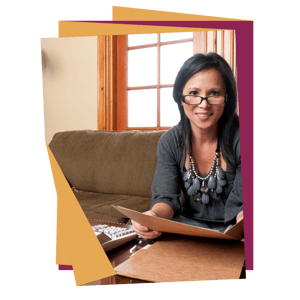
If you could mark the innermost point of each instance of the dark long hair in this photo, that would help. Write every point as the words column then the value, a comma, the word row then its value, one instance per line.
column 229, row 122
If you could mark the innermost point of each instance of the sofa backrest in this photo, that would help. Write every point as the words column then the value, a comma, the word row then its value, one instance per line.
column 109, row 162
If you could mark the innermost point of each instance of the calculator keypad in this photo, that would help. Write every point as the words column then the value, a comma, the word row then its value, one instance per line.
column 112, row 231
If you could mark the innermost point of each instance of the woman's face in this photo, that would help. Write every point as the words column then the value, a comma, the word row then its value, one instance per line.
column 205, row 83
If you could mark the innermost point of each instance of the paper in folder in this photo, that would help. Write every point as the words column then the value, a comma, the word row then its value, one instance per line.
column 185, row 258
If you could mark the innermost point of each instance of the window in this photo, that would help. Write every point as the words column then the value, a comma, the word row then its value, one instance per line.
column 147, row 65
column 153, row 62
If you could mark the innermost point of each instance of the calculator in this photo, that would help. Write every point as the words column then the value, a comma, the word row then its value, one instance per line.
column 112, row 235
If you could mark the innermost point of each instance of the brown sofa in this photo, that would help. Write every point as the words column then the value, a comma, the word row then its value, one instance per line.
column 107, row 168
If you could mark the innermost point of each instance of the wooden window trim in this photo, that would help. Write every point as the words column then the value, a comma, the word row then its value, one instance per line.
column 161, row 86
column 122, row 82
column 107, row 102
column 159, row 43
column 158, row 82
column 101, row 72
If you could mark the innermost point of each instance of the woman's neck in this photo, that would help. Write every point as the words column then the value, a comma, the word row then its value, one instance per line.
column 204, row 136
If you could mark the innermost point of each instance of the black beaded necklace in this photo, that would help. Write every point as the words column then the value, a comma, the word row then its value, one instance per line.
column 204, row 188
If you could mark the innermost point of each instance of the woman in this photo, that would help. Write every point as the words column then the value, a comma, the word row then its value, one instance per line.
column 198, row 173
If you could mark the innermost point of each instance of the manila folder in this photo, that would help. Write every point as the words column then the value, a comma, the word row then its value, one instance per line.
column 164, row 225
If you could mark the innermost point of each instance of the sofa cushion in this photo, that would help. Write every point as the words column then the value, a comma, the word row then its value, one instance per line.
column 98, row 206
column 109, row 162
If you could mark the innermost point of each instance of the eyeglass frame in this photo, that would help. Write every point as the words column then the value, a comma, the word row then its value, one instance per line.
column 204, row 98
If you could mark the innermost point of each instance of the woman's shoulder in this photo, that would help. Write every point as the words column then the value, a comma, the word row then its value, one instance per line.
column 172, row 135
column 169, row 141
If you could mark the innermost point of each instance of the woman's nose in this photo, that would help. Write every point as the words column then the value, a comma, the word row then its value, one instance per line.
column 204, row 102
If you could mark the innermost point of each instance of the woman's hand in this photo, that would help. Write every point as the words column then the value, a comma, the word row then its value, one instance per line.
column 239, row 216
column 144, row 231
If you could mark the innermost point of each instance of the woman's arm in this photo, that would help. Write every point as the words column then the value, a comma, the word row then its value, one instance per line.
column 161, row 210
column 234, row 202
column 165, row 187
column 240, row 216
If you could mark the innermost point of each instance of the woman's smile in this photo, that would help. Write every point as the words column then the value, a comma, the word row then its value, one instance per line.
column 203, row 115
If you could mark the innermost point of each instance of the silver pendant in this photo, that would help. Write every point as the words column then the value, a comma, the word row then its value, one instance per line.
column 205, row 199
column 211, row 182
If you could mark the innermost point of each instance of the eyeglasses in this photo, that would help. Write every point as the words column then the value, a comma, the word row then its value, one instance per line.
column 197, row 100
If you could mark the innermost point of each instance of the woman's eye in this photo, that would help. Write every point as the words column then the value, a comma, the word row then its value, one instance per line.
column 193, row 93
column 214, row 93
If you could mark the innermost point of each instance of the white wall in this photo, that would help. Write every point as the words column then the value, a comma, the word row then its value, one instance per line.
column 69, row 84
